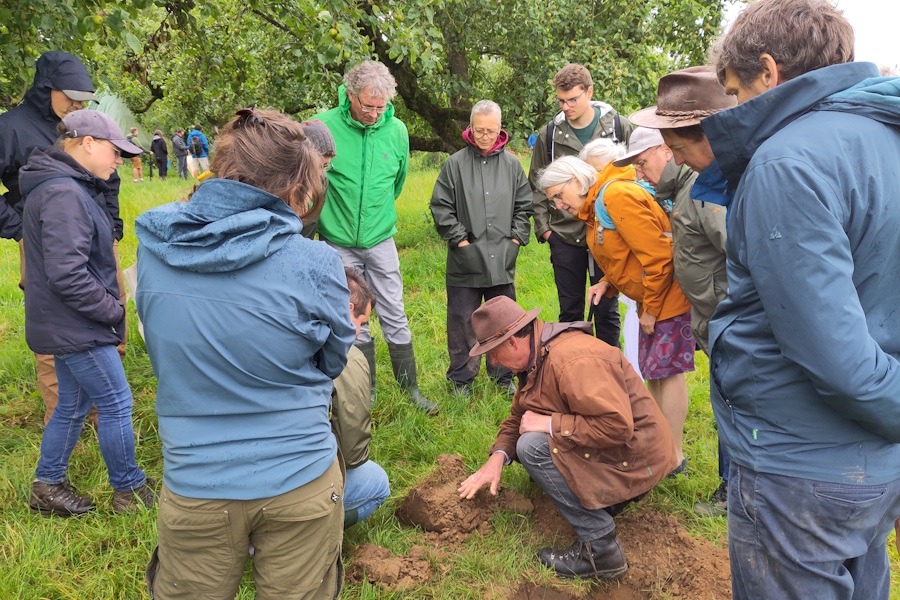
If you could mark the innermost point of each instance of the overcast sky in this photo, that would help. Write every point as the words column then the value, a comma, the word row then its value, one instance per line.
column 875, row 24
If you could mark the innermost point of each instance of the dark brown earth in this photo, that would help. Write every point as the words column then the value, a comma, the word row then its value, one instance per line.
column 663, row 559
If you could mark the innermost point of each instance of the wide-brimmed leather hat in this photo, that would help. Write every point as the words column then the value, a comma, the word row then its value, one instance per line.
column 684, row 98
column 496, row 321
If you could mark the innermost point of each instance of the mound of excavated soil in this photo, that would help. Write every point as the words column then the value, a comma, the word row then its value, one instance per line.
column 662, row 557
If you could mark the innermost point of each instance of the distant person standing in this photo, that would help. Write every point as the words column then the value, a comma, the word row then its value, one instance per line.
column 137, row 167
column 359, row 219
column 481, row 206
column 160, row 152
column 61, row 85
column 579, row 121
column 198, row 146
column 180, row 150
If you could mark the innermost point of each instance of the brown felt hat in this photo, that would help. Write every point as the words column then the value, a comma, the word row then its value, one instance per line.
column 496, row 321
column 684, row 98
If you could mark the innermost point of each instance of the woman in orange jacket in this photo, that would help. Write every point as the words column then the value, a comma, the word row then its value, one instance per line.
column 630, row 237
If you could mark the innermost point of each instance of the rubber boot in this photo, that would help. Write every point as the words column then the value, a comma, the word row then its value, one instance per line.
column 368, row 350
column 403, row 361
column 351, row 518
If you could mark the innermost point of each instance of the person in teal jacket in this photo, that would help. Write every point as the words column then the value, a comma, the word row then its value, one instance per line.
column 805, row 348
column 246, row 324
column 359, row 219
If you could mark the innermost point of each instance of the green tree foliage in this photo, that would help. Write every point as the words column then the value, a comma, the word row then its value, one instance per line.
column 183, row 61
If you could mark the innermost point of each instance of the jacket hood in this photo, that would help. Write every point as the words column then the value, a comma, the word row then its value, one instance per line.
column 671, row 180
column 877, row 98
column 53, row 163
column 544, row 333
column 499, row 143
column 344, row 103
column 226, row 225
column 56, row 71
column 737, row 133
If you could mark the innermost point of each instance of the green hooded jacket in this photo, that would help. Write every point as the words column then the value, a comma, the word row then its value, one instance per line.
column 366, row 177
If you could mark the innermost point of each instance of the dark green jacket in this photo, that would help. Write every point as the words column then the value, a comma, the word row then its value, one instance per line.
column 565, row 143
column 366, row 177
column 487, row 201
column 698, row 232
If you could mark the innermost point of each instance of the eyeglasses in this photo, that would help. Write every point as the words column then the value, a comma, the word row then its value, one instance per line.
column 248, row 116
column 485, row 132
column 557, row 197
column 366, row 108
column 570, row 101
column 327, row 166
column 640, row 164
column 112, row 147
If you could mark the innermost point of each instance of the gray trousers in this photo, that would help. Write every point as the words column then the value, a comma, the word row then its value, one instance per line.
column 533, row 451
column 380, row 265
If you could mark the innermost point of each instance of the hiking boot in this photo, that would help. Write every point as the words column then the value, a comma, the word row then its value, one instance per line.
column 681, row 469
column 717, row 505
column 58, row 499
column 127, row 500
column 601, row 558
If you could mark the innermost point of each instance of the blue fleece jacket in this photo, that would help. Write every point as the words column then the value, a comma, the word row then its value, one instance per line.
column 804, row 350
column 246, row 324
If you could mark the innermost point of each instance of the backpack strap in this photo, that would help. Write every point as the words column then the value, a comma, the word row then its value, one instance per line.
column 551, row 129
column 617, row 128
column 600, row 212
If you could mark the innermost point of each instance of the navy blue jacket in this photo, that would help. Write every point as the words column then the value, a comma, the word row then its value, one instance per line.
column 71, row 296
column 805, row 348
column 32, row 125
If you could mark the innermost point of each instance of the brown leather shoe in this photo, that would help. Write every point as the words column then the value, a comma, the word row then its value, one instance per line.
column 58, row 499
column 144, row 496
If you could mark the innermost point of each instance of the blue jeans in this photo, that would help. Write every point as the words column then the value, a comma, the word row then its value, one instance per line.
column 93, row 377
column 366, row 488
column 793, row 538
column 533, row 451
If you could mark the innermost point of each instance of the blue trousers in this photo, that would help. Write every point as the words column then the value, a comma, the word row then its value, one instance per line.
column 95, row 376
column 795, row 539
column 366, row 489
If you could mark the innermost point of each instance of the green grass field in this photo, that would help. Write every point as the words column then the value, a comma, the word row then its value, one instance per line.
column 102, row 556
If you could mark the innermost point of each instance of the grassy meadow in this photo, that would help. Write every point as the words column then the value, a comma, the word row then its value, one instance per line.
column 103, row 555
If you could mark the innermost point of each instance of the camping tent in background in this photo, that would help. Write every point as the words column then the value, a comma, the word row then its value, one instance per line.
column 113, row 106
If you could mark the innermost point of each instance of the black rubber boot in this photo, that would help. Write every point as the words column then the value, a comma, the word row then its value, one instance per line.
column 601, row 558
column 351, row 518
column 403, row 361
column 368, row 350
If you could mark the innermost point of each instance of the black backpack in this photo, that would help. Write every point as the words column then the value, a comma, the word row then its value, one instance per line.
column 196, row 146
column 618, row 134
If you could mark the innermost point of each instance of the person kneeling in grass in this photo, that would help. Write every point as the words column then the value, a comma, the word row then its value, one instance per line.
column 582, row 424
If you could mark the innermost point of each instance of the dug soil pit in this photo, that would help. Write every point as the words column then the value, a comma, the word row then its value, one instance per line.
column 664, row 560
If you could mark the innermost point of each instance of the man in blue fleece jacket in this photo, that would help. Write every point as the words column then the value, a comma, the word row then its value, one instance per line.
column 805, row 348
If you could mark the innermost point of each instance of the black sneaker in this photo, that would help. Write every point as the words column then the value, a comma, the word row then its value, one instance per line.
column 601, row 558
column 144, row 496
column 59, row 499
column 717, row 505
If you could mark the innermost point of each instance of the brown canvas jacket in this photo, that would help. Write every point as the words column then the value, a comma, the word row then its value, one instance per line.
column 609, row 440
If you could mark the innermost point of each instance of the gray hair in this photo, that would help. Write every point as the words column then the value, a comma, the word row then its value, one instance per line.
column 604, row 150
column 485, row 107
column 565, row 169
column 372, row 76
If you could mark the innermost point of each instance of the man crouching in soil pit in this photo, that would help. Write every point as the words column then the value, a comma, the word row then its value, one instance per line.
column 583, row 425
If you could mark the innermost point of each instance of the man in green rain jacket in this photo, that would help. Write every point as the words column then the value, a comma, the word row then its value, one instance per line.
column 359, row 219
